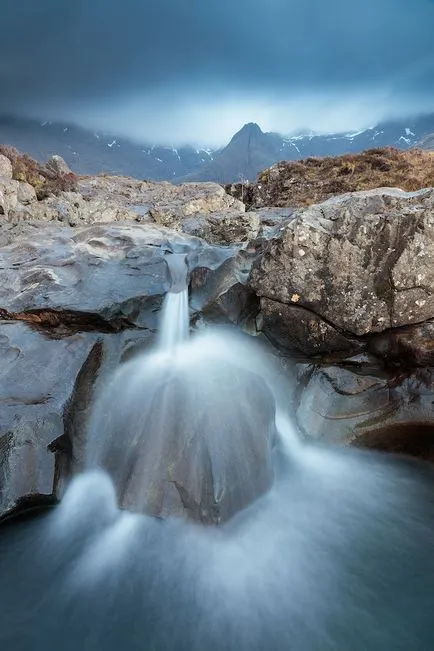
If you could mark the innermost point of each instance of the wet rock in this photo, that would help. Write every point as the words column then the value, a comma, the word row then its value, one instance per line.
column 412, row 439
column 39, row 378
column 170, row 452
column 342, row 403
column 238, row 305
column 298, row 330
column 116, row 275
column 223, row 295
column 361, row 262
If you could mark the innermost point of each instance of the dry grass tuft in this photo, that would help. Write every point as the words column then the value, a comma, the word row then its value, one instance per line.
column 313, row 180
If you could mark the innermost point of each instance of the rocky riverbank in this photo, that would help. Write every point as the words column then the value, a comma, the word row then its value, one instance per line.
column 343, row 291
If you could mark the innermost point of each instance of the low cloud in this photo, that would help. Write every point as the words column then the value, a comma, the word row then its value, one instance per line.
column 196, row 71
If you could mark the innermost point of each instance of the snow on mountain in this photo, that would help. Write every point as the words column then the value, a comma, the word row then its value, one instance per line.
column 249, row 151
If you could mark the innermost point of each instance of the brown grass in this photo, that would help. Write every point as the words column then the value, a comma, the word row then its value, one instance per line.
column 45, row 181
column 313, row 180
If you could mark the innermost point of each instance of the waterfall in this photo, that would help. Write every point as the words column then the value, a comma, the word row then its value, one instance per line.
column 174, row 319
column 317, row 548
column 188, row 427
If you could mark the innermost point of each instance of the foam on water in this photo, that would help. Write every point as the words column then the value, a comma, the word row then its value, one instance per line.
column 189, row 426
column 336, row 556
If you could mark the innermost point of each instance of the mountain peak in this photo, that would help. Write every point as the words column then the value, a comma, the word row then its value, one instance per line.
column 249, row 129
column 252, row 126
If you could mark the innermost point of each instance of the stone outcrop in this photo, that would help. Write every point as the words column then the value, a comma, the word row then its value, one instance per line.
column 58, row 165
column 161, row 203
column 201, row 209
column 343, row 270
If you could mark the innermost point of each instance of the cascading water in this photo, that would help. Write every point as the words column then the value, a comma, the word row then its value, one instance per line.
column 332, row 552
column 188, row 427
column 174, row 322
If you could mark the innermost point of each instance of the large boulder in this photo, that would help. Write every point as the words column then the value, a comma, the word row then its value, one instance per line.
column 166, row 443
column 26, row 194
column 358, row 264
column 17, row 200
column 68, row 299
column 8, row 196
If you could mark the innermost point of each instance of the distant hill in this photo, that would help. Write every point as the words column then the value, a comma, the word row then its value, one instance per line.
column 248, row 153
column 88, row 152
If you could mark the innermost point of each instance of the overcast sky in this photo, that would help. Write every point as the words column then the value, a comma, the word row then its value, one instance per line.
column 177, row 71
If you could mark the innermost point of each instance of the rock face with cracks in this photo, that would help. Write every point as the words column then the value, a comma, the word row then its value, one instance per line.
column 353, row 266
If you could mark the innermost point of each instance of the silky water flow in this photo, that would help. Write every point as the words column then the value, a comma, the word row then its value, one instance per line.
column 316, row 548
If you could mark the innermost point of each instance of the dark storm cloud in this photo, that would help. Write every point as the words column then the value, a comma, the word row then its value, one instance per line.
column 78, row 51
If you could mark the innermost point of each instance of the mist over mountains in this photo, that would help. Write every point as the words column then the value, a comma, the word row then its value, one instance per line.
column 249, row 151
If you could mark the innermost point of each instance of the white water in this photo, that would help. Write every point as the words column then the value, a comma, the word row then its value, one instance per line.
column 174, row 320
column 335, row 556
column 188, row 427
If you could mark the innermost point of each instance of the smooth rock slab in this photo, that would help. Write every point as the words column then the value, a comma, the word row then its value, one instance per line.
column 115, row 272
column 339, row 404
column 187, row 435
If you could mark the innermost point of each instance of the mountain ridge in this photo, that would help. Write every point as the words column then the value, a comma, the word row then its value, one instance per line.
column 249, row 151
